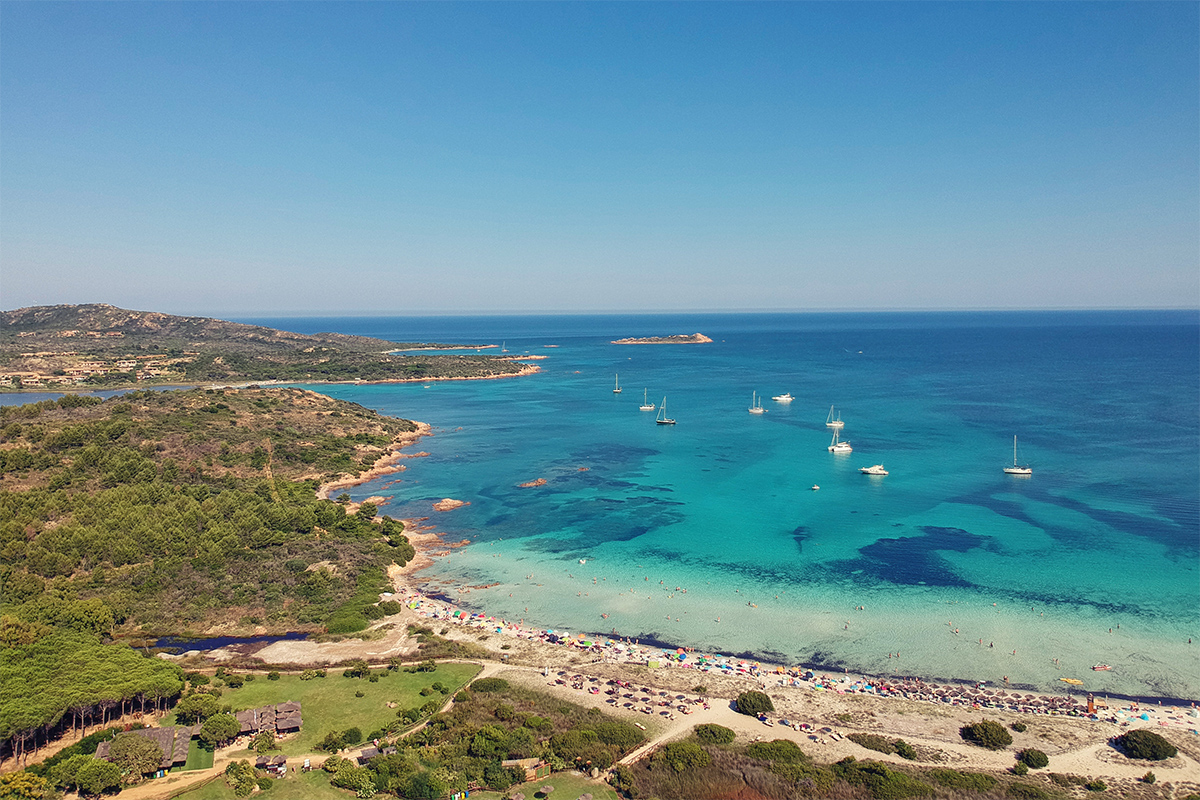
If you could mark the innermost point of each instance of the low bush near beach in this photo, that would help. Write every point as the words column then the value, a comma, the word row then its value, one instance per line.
column 754, row 703
column 489, row 685
column 968, row 781
column 1067, row 780
column 711, row 733
column 882, row 744
column 988, row 733
column 1146, row 744
column 884, row 783
column 1034, row 759
column 681, row 757
column 783, row 750
column 1148, row 778
column 1096, row 785
column 1019, row 727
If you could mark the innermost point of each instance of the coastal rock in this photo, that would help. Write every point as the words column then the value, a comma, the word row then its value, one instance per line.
column 447, row 504
column 531, row 484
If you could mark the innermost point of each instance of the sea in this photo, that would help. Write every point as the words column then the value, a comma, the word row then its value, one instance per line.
column 712, row 533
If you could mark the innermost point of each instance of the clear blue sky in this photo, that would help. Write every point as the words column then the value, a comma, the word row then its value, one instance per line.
column 230, row 158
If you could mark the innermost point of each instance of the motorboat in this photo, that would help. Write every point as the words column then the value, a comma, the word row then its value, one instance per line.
column 783, row 398
column 875, row 470
column 1102, row 668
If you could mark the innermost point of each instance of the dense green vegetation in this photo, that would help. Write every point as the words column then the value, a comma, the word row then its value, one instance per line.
column 166, row 512
column 987, row 733
column 754, row 703
column 882, row 744
column 1146, row 744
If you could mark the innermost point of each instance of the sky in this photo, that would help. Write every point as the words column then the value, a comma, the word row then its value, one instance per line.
column 394, row 158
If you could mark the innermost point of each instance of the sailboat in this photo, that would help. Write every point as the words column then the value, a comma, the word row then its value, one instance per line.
column 1015, row 469
column 756, row 404
column 663, row 419
column 503, row 347
column 646, row 404
column 617, row 385
column 838, row 446
column 832, row 422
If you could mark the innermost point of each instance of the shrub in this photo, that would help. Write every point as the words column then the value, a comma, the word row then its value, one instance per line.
column 273, row 676
column 872, row 741
column 1019, row 727
column 462, row 697
column 681, row 756
column 1148, row 778
column 905, row 750
column 782, row 750
column 970, row 781
column 622, row 780
column 621, row 735
column 1096, row 785
column 235, row 681
column 711, row 733
column 352, row 736
column 754, row 703
column 883, row 783
column 1034, row 759
column 1020, row 768
column 988, row 733
column 490, row 685
column 332, row 743
column 1146, row 744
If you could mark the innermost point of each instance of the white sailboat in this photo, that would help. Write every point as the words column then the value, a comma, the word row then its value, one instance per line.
column 832, row 422
column 663, row 419
column 617, row 384
column 838, row 446
column 646, row 404
column 1016, row 469
column 756, row 404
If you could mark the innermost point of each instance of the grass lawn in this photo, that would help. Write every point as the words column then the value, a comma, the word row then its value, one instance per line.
column 198, row 757
column 301, row 786
column 330, row 704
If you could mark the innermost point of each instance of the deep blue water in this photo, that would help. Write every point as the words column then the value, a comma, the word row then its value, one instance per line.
column 942, row 553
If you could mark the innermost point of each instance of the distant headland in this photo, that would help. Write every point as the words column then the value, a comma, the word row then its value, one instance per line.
column 679, row 338
column 99, row 346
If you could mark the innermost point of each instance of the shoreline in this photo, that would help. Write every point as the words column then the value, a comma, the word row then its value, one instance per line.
column 429, row 544
column 443, row 606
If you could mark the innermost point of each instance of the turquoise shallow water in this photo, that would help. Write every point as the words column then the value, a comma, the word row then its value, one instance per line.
column 942, row 553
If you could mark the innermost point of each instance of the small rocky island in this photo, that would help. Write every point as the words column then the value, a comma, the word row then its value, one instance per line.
column 679, row 338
